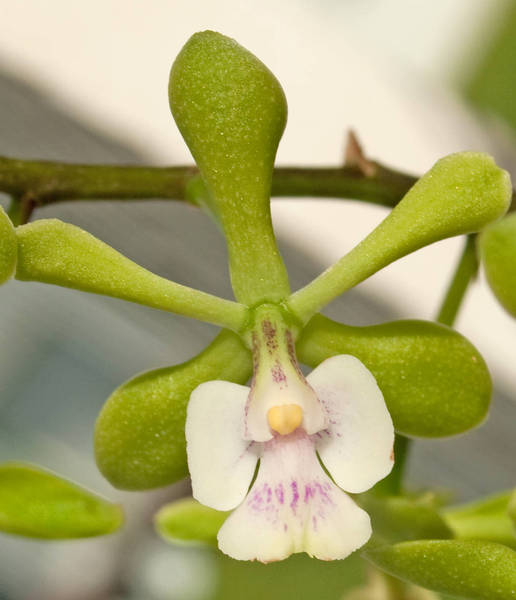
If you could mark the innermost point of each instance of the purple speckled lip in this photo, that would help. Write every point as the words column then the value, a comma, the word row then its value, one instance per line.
column 291, row 492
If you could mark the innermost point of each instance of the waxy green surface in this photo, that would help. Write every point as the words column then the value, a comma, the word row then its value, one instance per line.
column 462, row 193
column 140, row 433
column 232, row 111
column 36, row 503
column 472, row 570
column 485, row 519
column 54, row 252
column 498, row 250
column 8, row 245
column 188, row 521
column 435, row 383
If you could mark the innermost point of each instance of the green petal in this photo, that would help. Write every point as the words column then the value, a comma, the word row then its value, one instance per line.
column 435, row 383
column 8, row 245
column 139, row 436
column 486, row 519
column 498, row 250
column 62, row 254
column 188, row 521
column 471, row 570
column 36, row 503
column 462, row 193
column 398, row 518
column 231, row 111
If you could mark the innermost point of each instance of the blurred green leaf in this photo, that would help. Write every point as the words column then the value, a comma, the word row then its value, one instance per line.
column 512, row 507
column 462, row 193
column 473, row 570
column 7, row 247
column 188, row 521
column 434, row 381
column 139, row 436
column 299, row 577
column 232, row 111
column 399, row 518
column 62, row 254
column 498, row 250
column 486, row 519
column 490, row 83
column 36, row 503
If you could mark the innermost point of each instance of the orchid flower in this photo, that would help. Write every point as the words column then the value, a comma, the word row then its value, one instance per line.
column 288, row 422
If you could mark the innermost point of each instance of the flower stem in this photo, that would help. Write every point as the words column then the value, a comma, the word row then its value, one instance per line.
column 465, row 271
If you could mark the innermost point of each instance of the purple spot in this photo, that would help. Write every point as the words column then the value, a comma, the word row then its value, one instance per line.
column 323, row 492
column 309, row 492
column 279, row 493
column 314, row 522
column 269, row 332
column 269, row 493
column 295, row 496
column 285, row 527
column 278, row 375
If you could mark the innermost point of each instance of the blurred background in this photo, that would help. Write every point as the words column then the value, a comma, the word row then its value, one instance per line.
column 86, row 82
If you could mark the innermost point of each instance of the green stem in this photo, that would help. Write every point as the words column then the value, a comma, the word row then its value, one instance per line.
column 51, row 182
column 465, row 271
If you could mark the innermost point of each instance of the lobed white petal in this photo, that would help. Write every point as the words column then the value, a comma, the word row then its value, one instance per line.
column 293, row 506
column 220, row 461
column 357, row 446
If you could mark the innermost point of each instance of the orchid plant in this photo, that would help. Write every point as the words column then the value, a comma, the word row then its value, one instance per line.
column 292, row 463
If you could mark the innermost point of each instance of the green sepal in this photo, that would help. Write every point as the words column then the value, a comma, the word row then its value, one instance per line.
column 400, row 518
column 498, row 251
column 8, row 245
column 486, row 519
column 139, row 435
column 38, row 504
column 462, row 193
column 434, row 381
column 232, row 111
column 472, row 570
column 187, row 521
column 54, row 252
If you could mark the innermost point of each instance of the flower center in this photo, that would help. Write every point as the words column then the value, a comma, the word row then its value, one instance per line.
column 285, row 419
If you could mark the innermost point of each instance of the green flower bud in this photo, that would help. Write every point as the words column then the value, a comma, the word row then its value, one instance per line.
column 188, row 521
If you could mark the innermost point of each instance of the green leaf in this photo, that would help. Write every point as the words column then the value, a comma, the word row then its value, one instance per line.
column 398, row 518
column 139, row 436
column 462, row 193
column 232, row 111
column 472, row 570
column 498, row 250
column 188, row 521
column 7, row 247
column 486, row 519
column 38, row 504
column 435, row 383
column 54, row 252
